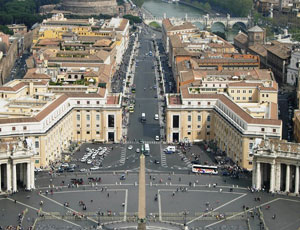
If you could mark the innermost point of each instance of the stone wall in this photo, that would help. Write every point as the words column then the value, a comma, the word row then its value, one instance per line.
column 88, row 7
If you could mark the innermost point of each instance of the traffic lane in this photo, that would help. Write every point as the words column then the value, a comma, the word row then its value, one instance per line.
column 155, row 155
column 148, row 130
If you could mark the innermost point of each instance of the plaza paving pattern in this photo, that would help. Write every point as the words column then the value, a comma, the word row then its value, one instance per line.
column 114, row 203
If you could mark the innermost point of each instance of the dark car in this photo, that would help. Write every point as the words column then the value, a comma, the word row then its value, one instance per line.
column 59, row 170
column 122, row 177
column 196, row 162
column 156, row 162
column 70, row 169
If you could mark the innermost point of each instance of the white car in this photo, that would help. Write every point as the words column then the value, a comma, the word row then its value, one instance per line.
column 89, row 162
column 83, row 160
column 94, row 168
column 130, row 147
column 156, row 116
column 83, row 170
column 157, row 138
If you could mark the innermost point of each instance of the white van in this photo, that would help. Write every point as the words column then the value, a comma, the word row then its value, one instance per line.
column 170, row 149
column 143, row 118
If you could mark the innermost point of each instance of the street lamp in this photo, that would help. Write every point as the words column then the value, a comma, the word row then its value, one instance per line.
column 185, row 213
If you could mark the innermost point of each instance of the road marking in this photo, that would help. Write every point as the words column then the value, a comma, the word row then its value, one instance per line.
column 159, row 205
column 240, row 213
column 223, row 205
column 31, row 207
column 123, row 155
column 125, row 207
column 56, row 202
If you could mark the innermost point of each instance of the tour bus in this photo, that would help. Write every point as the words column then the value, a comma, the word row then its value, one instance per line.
column 205, row 169
column 147, row 150
column 143, row 118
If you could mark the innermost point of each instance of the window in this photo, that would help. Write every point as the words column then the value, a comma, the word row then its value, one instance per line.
column 87, row 125
column 98, row 132
column 244, row 98
column 274, row 130
column 188, row 133
column 262, row 129
column 78, row 132
column 98, row 102
column 78, row 102
column 232, row 91
column 208, row 133
column 208, row 118
column 24, row 127
column 238, row 98
column 199, row 117
column 88, row 102
column 208, row 126
column 13, row 128
column 98, row 117
column 250, row 162
column 37, row 143
column 250, row 91
column 111, row 121
column 250, row 146
column 175, row 121
column 78, row 117
column 199, row 103
column 263, row 95
column 208, row 103
column 238, row 91
column 189, row 126
column 97, row 125
column 267, row 95
column 78, row 125
column 88, row 117
column 198, row 126
column 189, row 118
column 0, row 130
column 244, row 91
column 189, row 103
column 250, row 98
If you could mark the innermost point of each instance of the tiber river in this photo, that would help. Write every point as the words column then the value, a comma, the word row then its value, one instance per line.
column 158, row 8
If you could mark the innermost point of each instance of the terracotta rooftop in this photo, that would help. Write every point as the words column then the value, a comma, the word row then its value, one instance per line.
column 259, row 49
column 233, row 106
column 281, row 50
column 241, row 38
column 112, row 100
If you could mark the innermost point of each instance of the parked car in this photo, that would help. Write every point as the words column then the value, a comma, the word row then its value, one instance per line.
column 95, row 168
column 130, row 147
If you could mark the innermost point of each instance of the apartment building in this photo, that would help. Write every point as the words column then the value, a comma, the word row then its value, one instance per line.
column 169, row 28
column 236, row 110
column 53, row 118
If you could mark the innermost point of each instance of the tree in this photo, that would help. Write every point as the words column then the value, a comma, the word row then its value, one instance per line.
column 6, row 30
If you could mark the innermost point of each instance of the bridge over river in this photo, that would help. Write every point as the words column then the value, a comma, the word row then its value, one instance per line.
column 207, row 21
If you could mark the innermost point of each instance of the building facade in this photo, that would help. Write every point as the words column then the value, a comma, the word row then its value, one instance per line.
column 276, row 166
column 52, row 121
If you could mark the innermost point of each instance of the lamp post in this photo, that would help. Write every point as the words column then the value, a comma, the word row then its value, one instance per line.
column 185, row 213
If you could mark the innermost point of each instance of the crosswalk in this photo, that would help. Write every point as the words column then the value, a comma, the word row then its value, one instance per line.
column 186, row 161
column 163, row 160
column 123, row 156
column 145, row 142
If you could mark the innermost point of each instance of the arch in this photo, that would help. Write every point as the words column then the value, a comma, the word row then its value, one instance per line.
column 200, row 25
column 239, row 26
column 218, row 27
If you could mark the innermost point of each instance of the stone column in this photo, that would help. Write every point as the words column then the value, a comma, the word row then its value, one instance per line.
column 14, row 177
column 254, row 175
column 142, row 195
column 287, row 179
column 0, row 179
column 28, row 179
column 8, row 176
column 272, row 179
column 32, row 175
column 258, row 176
column 278, row 177
column 297, row 180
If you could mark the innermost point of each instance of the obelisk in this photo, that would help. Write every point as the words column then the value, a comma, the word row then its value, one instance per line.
column 142, row 195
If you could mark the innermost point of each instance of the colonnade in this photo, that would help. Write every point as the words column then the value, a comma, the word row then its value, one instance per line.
column 276, row 177
column 16, row 174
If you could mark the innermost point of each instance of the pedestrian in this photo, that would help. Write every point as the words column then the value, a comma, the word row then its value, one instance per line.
column 107, row 194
